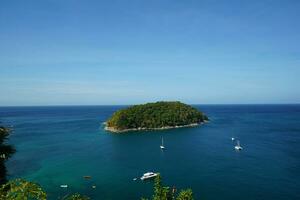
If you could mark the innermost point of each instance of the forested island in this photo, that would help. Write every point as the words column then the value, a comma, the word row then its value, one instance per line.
column 155, row 116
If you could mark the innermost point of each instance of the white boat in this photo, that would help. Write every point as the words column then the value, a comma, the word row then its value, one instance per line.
column 148, row 175
column 232, row 138
column 162, row 143
column 63, row 186
column 238, row 146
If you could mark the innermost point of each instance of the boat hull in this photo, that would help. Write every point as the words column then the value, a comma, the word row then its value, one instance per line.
column 143, row 178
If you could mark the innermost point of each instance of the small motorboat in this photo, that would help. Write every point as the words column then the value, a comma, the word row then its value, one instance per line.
column 232, row 138
column 148, row 175
column 87, row 177
column 63, row 186
column 238, row 146
column 94, row 186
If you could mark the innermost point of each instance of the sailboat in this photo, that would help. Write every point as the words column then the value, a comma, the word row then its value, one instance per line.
column 238, row 146
column 162, row 143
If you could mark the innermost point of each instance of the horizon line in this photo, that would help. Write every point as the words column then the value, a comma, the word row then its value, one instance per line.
column 90, row 105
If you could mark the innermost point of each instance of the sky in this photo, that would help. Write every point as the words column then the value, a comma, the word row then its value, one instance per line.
column 85, row 52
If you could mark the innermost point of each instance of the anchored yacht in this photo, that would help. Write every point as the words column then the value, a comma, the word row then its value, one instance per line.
column 148, row 175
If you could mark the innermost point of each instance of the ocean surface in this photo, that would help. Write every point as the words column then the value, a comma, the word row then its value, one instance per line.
column 60, row 145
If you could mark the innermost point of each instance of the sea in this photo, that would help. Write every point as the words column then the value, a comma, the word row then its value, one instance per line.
column 58, row 145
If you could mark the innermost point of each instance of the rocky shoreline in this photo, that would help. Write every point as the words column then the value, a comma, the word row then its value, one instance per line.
column 112, row 129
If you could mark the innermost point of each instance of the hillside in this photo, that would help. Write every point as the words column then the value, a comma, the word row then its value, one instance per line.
column 152, row 116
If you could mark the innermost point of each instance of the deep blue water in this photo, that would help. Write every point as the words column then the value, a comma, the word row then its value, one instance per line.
column 59, row 145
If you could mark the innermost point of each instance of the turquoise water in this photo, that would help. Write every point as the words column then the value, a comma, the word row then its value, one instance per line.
column 59, row 145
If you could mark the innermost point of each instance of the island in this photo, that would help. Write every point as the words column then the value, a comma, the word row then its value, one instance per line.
column 155, row 116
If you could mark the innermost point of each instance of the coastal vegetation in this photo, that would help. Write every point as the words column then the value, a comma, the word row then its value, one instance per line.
column 151, row 116
column 161, row 192
column 6, row 151
column 19, row 189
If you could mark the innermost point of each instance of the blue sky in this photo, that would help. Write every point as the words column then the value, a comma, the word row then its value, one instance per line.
column 83, row 52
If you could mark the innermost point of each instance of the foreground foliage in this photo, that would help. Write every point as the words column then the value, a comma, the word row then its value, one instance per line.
column 165, row 193
column 6, row 151
column 156, row 115
column 20, row 189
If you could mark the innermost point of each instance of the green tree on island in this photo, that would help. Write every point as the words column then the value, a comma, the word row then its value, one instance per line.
column 154, row 116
